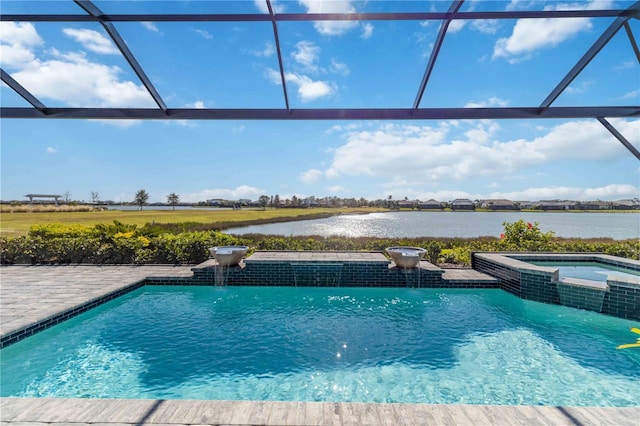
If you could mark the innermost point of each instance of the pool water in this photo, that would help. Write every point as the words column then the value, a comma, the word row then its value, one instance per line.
column 330, row 344
column 593, row 271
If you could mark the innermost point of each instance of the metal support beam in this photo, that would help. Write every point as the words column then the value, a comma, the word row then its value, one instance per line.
column 96, row 13
column 632, row 40
column 620, row 137
column 325, row 114
column 257, row 17
column 591, row 53
column 455, row 6
column 277, row 40
column 20, row 90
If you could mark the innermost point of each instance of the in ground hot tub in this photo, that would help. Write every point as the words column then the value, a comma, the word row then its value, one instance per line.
column 406, row 257
column 591, row 281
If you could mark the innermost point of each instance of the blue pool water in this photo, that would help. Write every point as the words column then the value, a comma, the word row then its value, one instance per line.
column 593, row 271
column 330, row 344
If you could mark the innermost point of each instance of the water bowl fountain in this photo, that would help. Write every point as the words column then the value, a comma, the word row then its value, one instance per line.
column 228, row 255
column 406, row 257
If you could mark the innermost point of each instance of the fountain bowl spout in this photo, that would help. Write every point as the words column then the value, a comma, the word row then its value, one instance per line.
column 405, row 256
column 228, row 255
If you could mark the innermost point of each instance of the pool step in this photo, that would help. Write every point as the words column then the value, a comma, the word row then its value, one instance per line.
column 469, row 277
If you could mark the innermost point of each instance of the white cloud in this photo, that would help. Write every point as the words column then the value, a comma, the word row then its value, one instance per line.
column 578, row 88
column 17, row 43
column 486, row 26
column 273, row 76
column 206, row 34
column 430, row 154
column 399, row 189
column 339, row 68
column 367, row 31
column 72, row 79
column 151, row 26
column 336, row 188
column 625, row 65
column 268, row 50
column 456, row 25
column 634, row 94
column 331, row 28
column 310, row 176
column 261, row 5
column 92, row 40
column 22, row 33
column 196, row 105
column 69, row 78
column 530, row 35
column 306, row 54
column 608, row 192
column 51, row 150
column 308, row 89
column 493, row 101
column 278, row 6
column 243, row 191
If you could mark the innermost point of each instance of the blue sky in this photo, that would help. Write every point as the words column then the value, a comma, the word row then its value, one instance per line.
column 328, row 65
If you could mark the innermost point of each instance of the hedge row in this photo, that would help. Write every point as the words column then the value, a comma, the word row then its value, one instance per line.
column 126, row 244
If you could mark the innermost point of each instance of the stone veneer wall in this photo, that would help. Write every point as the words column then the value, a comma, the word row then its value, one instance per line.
column 618, row 298
column 330, row 274
column 580, row 297
column 622, row 300
column 508, row 276
column 539, row 287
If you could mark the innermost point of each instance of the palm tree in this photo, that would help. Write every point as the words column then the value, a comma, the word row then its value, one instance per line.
column 173, row 199
column 142, row 197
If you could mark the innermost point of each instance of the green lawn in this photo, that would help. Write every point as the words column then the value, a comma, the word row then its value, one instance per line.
column 15, row 224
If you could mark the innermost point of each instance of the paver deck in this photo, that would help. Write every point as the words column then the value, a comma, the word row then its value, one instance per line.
column 33, row 293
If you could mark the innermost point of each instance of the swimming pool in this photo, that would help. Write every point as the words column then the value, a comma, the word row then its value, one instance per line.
column 330, row 344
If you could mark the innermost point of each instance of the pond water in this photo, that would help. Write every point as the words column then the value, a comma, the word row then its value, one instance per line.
column 618, row 226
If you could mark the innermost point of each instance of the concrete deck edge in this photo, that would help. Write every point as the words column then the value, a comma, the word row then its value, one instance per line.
column 132, row 411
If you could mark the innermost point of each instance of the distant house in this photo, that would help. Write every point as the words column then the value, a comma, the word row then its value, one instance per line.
column 626, row 204
column 499, row 204
column 462, row 204
column 525, row 204
column 406, row 204
column 216, row 202
column 429, row 204
column 595, row 205
column 555, row 205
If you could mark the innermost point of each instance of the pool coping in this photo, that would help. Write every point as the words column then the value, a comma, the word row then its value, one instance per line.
column 21, row 411
column 130, row 411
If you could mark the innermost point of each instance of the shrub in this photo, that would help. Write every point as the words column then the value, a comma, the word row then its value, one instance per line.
column 53, row 230
column 524, row 236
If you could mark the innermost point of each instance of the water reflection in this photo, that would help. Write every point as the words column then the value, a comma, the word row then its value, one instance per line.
column 618, row 226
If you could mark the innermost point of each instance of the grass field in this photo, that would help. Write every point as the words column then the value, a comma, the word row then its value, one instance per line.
column 15, row 224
